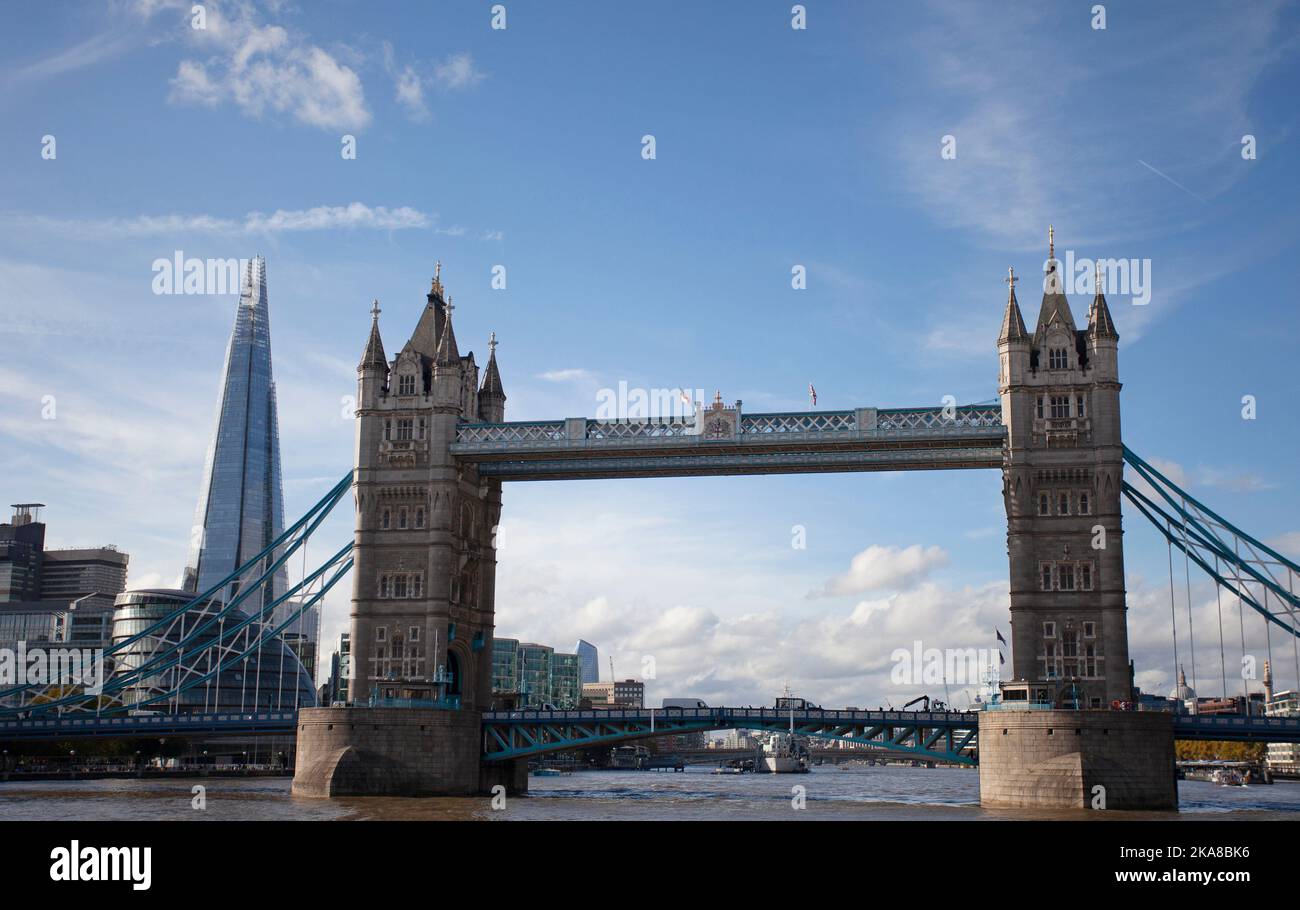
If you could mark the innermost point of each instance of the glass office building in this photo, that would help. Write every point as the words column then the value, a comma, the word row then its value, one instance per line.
column 538, row 674
column 590, row 660
column 241, row 502
column 213, row 668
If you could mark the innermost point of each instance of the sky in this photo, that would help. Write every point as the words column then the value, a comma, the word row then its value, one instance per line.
column 905, row 155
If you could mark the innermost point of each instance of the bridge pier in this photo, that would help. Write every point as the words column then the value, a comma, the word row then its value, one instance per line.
column 1077, row 760
column 397, row 752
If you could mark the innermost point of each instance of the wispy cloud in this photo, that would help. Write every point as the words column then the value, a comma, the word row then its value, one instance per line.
column 456, row 73
column 92, row 51
column 570, row 375
column 354, row 216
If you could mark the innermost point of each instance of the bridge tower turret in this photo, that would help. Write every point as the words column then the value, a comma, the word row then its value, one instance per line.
column 422, row 609
column 1061, row 486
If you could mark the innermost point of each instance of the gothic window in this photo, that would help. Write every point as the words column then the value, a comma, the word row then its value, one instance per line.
column 1043, row 508
column 385, row 520
column 399, row 585
column 381, row 634
column 1085, row 576
column 417, row 585
column 1039, row 404
column 406, row 385
column 1083, row 504
column 1089, row 630
column 404, row 428
column 388, row 430
column 385, row 587
column 415, row 633
column 1046, row 579
column 419, row 518
column 1080, row 410
column 420, row 429
column 1049, row 630
column 1070, row 643
column 401, row 519
column 1051, row 661
column 1065, row 575
column 1057, row 359
column 1060, row 407
column 1063, row 504
column 1090, row 661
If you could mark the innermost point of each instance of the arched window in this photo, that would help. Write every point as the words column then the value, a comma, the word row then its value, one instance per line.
column 1083, row 503
column 385, row 519
column 401, row 519
column 419, row 518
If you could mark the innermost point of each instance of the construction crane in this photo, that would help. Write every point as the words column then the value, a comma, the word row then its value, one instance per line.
column 938, row 705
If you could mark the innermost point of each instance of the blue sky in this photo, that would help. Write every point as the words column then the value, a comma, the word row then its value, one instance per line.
column 774, row 147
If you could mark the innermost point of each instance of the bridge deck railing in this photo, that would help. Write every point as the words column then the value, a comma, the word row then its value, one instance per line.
column 861, row 423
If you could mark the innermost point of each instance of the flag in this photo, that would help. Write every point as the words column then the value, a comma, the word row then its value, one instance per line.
column 1001, row 660
column 812, row 393
column 999, row 635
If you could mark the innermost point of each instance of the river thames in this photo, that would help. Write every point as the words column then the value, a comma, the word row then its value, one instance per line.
column 831, row 794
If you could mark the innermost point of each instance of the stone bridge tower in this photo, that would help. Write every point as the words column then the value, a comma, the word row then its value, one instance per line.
column 1061, row 484
column 424, row 568
column 424, row 555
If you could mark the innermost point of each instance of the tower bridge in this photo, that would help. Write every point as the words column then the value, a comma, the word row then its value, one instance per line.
column 433, row 450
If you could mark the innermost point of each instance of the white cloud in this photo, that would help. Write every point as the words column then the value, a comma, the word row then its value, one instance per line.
column 263, row 69
column 880, row 568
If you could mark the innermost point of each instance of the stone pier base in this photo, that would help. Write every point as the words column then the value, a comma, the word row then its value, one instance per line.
column 1058, row 759
column 397, row 752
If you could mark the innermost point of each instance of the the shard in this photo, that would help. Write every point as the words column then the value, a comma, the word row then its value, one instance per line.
column 241, row 502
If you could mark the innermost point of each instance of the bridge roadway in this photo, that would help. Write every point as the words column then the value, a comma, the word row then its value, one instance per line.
column 936, row 736
column 726, row 441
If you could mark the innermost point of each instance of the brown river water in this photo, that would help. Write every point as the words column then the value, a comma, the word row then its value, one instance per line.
column 829, row 794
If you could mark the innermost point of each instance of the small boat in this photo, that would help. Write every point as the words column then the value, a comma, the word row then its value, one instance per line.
column 1226, row 777
column 727, row 769
column 549, row 772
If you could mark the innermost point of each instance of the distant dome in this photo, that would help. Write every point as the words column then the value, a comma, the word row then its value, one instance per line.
column 1182, row 691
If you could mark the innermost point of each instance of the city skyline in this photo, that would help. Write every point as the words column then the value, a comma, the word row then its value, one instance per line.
column 685, row 283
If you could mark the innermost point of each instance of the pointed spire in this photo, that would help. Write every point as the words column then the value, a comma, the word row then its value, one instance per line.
column 374, row 353
column 492, row 387
column 1055, row 307
column 1013, row 326
column 1100, row 325
column 435, row 290
column 448, row 354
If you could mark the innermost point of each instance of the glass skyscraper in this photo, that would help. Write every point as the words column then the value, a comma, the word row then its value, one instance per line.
column 241, row 503
column 590, row 659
